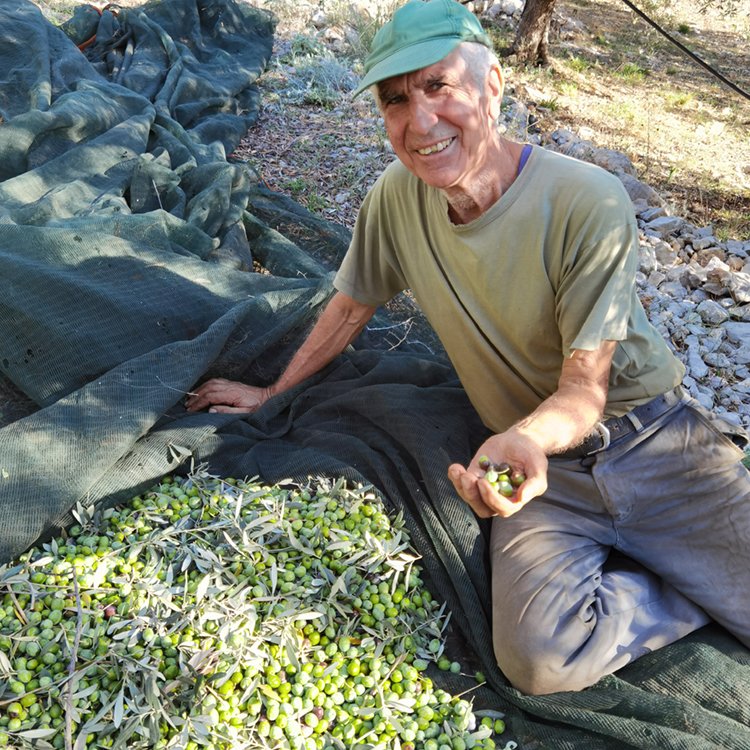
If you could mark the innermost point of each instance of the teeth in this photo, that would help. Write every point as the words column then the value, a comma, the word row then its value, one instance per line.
column 435, row 147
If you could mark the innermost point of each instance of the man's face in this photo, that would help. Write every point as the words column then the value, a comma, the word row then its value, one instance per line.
column 440, row 123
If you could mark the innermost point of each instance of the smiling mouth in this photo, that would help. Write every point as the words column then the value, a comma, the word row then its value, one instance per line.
column 435, row 147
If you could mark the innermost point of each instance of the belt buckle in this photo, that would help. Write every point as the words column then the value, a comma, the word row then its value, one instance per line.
column 603, row 432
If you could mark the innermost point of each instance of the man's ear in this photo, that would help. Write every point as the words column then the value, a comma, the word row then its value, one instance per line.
column 495, row 88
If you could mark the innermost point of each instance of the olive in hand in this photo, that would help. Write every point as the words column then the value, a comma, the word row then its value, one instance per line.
column 503, row 478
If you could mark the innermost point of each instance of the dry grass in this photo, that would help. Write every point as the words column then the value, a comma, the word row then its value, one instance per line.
column 626, row 87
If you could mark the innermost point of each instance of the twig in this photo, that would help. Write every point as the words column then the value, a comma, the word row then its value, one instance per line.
column 72, row 668
column 17, row 607
column 156, row 190
column 172, row 388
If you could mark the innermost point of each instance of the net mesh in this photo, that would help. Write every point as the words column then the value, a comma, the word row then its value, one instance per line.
column 128, row 239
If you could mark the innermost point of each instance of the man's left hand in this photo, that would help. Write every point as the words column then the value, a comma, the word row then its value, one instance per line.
column 509, row 447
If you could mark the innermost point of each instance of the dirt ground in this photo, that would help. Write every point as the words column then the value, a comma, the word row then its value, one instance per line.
column 631, row 89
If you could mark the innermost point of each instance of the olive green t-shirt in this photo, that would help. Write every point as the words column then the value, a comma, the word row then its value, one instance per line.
column 547, row 269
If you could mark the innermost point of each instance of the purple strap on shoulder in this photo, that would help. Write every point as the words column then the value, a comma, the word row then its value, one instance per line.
column 524, row 157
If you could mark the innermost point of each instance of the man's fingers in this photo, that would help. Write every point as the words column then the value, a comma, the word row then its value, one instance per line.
column 202, row 396
column 531, row 488
column 466, row 486
column 463, row 481
column 483, row 499
column 226, row 395
column 497, row 503
column 221, row 409
column 196, row 403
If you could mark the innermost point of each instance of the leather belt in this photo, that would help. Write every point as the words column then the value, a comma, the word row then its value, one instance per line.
column 605, row 433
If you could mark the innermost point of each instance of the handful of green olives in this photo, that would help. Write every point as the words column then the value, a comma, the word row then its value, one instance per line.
column 503, row 478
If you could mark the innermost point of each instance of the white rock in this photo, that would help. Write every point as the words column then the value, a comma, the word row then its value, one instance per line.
column 718, row 360
column 653, row 212
column 739, row 287
column 640, row 191
column 738, row 333
column 735, row 247
column 511, row 7
column 647, row 259
column 562, row 136
column 704, row 396
column 613, row 161
column 703, row 231
column 673, row 288
column 656, row 278
column 533, row 94
column 712, row 313
column 319, row 19
column 694, row 361
column 735, row 417
column 665, row 225
column 665, row 253
column 701, row 243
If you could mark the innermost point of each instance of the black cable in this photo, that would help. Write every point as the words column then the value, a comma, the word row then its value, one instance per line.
column 688, row 52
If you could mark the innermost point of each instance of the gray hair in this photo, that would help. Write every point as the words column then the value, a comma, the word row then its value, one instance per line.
column 479, row 60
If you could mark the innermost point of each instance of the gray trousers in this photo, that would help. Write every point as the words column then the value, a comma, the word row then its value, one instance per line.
column 628, row 554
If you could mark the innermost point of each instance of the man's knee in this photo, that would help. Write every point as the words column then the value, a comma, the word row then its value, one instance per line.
column 542, row 673
column 537, row 663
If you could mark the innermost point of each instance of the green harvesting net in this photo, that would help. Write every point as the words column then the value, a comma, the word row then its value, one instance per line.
column 127, row 246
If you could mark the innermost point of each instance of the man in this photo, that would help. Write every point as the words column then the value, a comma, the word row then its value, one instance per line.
column 632, row 527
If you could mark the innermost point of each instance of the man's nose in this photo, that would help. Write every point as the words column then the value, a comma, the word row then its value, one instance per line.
column 423, row 117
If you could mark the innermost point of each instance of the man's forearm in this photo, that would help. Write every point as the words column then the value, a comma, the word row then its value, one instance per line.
column 565, row 418
column 561, row 421
column 339, row 324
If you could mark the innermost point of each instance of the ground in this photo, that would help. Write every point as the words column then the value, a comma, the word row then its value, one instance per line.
column 633, row 90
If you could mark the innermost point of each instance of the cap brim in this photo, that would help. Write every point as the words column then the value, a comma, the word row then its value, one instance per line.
column 407, row 60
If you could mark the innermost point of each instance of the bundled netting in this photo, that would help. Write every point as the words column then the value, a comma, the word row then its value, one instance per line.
column 128, row 240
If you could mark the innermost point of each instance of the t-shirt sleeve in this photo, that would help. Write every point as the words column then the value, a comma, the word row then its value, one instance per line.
column 370, row 272
column 597, row 283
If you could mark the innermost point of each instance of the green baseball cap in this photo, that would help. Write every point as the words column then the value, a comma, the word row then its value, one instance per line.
column 420, row 33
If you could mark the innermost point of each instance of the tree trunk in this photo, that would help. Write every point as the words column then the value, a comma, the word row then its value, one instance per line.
column 530, row 44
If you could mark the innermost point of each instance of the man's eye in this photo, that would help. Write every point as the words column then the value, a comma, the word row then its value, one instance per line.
column 435, row 85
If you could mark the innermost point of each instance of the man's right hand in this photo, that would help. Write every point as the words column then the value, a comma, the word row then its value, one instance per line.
column 227, row 396
column 340, row 323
